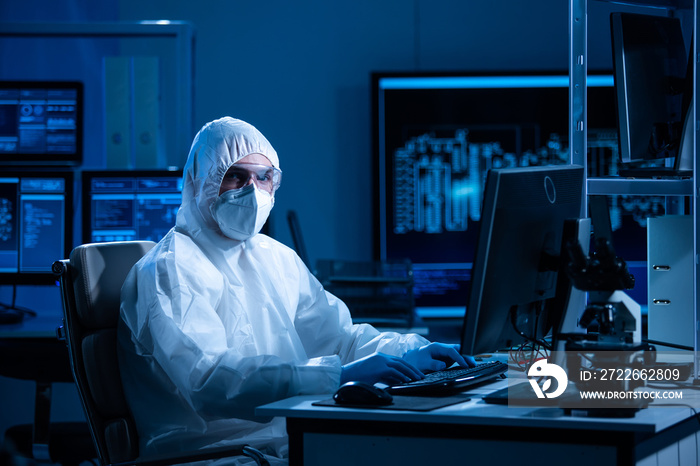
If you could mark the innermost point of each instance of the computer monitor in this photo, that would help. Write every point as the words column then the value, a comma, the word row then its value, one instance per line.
column 518, row 263
column 650, row 64
column 129, row 205
column 41, row 122
column 36, row 224
column 435, row 137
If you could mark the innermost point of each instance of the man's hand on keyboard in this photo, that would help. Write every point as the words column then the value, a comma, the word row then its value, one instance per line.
column 436, row 357
column 379, row 367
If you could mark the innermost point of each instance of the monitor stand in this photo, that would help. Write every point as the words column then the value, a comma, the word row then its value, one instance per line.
column 655, row 172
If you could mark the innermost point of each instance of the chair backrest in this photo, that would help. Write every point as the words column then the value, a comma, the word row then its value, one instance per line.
column 91, row 281
column 297, row 238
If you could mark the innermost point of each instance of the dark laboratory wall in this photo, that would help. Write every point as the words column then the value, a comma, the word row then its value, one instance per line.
column 300, row 72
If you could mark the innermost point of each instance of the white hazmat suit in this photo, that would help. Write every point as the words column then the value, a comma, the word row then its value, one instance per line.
column 213, row 327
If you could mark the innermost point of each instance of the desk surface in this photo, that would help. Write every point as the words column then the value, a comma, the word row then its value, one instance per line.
column 42, row 326
column 477, row 412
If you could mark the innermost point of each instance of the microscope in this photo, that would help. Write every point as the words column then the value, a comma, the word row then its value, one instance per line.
column 604, row 275
column 611, row 347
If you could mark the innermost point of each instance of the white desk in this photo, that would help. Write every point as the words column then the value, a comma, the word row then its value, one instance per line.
column 488, row 434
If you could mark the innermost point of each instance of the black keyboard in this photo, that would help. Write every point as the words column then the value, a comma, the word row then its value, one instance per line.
column 450, row 380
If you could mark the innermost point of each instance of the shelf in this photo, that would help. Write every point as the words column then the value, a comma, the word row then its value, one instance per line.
column 636, row 186
column 658, row 4
column 578, row 66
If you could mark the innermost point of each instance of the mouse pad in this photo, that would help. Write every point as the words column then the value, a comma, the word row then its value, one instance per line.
column 405, row 403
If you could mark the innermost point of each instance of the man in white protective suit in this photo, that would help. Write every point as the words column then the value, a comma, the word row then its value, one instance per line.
column 218, row 319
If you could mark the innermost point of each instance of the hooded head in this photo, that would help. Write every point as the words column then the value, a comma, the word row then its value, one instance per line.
column 217, row 146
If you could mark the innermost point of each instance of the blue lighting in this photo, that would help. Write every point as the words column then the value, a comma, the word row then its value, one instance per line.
column 486, row 82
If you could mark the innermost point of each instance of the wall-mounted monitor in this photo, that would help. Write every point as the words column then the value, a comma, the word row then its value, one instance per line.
column 436, row 135
column 41, row 122
column 130, row 204
column 36, row 224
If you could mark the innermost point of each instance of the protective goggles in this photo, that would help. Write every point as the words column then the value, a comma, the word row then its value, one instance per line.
column 240, row 175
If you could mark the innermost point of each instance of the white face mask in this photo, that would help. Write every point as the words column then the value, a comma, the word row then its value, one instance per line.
column 241, row 213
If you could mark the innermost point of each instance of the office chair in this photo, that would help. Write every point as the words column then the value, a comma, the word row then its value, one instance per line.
column 90, row 282
column 297, row 238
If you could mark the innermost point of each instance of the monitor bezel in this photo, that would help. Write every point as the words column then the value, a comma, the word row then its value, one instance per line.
column 597, row 78
column 43, row 158
column 477, row 315
column 626, row 80
column 48, row 277
column 87, row 176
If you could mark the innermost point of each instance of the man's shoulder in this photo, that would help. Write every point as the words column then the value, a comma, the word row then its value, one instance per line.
column 177, row 249
column 267, row 242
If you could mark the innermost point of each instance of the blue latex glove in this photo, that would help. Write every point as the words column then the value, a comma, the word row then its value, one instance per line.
column 436, row 357
column 379, row 367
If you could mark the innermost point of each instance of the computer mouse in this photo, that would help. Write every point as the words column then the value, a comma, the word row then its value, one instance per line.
column 362, row 393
